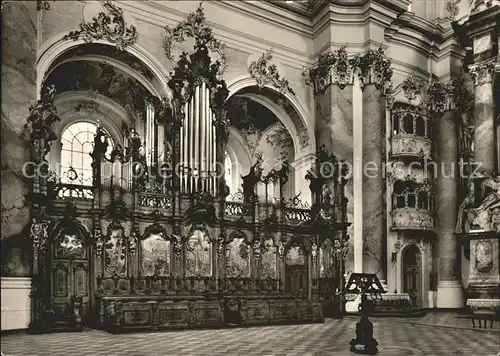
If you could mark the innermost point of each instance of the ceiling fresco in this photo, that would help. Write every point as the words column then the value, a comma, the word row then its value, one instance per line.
column 100, row 78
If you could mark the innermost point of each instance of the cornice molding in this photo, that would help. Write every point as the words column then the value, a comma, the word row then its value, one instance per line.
column 157, row 14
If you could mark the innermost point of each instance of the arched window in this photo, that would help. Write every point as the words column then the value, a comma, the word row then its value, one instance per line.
column 77, row 144
column 420, row 127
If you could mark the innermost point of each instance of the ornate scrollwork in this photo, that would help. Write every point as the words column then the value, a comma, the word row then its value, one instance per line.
column 482, row 73
column 336, row 68
column 109, row 25
column 39, row 233
column 177, row 245
column 266, row 73
column 257, row 249
column 221, row 245
column 439, row 98
column 412, row 219
column 40, row 120
column 43, row 5
column 196, row 28
column 375, row 68
column 452, row 8
column 412, row 87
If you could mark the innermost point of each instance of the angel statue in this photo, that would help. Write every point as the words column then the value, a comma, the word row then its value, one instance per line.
column 462, row 210
column 483, row 214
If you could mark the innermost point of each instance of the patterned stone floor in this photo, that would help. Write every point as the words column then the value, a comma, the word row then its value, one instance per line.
column 396, row 337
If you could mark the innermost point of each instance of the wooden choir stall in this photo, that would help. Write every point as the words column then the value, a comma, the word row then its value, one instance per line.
column 156, row 242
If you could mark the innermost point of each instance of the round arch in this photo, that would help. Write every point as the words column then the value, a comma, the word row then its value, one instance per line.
column 55, row 46
column 241, row 82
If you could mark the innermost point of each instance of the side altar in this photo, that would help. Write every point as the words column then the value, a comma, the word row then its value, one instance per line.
column 478, row 225
column 156, row 241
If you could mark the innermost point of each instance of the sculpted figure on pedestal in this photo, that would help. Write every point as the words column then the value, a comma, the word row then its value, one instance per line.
column 486, row 215
column 462, row 210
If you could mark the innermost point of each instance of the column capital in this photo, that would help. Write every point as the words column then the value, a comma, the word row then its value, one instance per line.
column 443, row 97
column 482, row 73
column 336, row 68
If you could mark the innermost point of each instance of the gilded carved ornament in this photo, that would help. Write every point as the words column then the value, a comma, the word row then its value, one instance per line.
column 336, row 68
column 452, row 8
column 482, row 73
column 195, row 27
column 266, row 73
column 485, row 216
column 108, row 25
column 39, row 233
column 43, row 114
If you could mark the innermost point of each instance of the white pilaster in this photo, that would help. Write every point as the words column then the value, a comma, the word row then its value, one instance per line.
column 357, row 134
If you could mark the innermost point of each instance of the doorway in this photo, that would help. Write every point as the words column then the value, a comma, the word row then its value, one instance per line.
column 412, row 275
column 69, row 276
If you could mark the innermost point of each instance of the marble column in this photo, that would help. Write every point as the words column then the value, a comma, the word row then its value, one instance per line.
column 334, row 129
column 19, row 55
column 484, row 117
column 449, row 293
column 373, row 141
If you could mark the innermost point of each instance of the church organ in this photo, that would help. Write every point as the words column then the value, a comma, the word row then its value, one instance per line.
column 158, row 242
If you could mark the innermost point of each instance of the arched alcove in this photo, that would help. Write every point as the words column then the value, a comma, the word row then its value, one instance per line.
column 287, row 107
column 412, row 274
column 57, row 49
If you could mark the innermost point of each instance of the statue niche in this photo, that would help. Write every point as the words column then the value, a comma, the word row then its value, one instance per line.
column 238, row 257
column 198, row 255
column 155, row 255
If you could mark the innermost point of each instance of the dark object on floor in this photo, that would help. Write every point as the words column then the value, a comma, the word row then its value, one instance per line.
column 365, row 283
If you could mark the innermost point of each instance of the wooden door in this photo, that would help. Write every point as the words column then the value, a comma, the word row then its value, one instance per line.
column 412, row 276
column 70, row 275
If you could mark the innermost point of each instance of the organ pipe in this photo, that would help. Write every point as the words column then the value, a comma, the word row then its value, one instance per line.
column 197, row 151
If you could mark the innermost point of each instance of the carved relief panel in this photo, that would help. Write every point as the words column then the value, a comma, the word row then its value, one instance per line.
column 115, row 252
column 198, row 255
column 155, row 256
column 485, row 262
column 238, row 258
column 295, row 270
column 268, row 259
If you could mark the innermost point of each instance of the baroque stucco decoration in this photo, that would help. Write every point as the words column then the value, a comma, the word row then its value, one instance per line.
column 109, row 25
column 485, row 216
column 195, row 27
column 336, row 68
column 266, row 73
